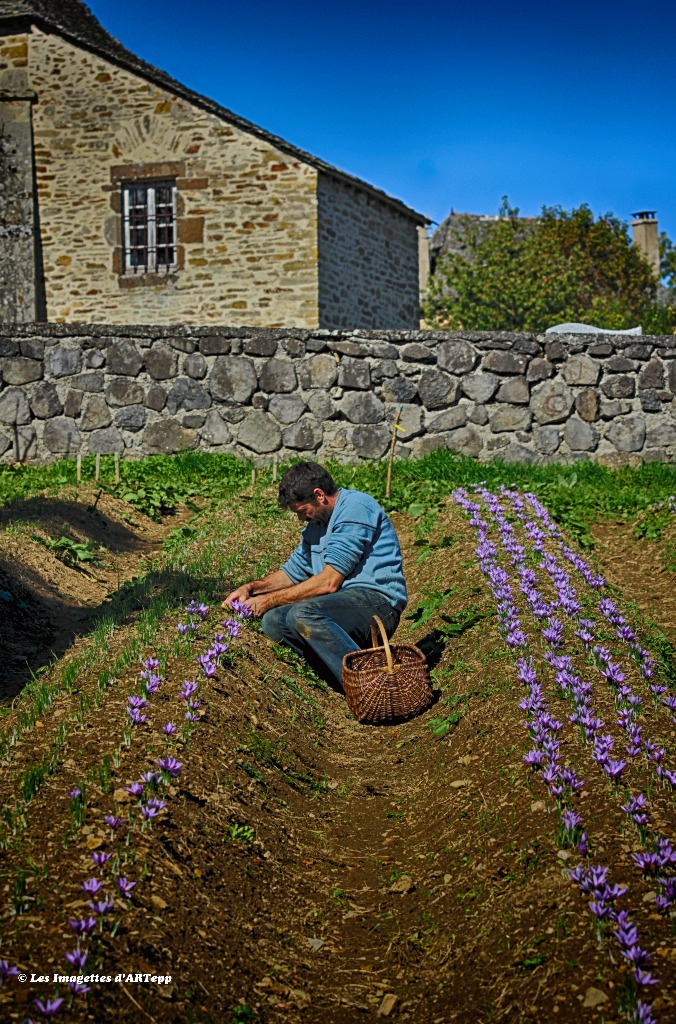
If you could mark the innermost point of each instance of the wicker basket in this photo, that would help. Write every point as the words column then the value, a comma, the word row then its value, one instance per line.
column 383, row 684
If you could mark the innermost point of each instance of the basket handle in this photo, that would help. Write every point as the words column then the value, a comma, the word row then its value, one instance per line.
column 386, row 645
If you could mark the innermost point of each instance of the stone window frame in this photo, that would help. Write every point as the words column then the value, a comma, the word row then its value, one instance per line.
column 155, row 202
column 126, row 174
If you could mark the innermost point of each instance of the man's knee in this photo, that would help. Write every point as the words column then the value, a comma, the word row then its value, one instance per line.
column 274, row 623
column 300, row 618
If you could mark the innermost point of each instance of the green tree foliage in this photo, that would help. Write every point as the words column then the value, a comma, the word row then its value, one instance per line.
column 517, row 274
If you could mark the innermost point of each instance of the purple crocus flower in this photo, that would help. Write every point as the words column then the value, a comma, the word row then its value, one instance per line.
column 101, row 858
column 91, row 886
column 153, row 684
column 170, row 765
column 137, row 702
column 614, row 769
column 202, row 610
column 101, row 906
column 187, row 689
column 135, row 789
column 75, row 793
column 125, row 886
column 644, row 1013
column 169, row 728
column 77, row 957
column 208, row 667
column 82, row 926
column 151, row 777
column 111, row 820
column 192, row 717
column 6, row 971
column 49, row 1007
column 136, row 716
column 154, row 801
column 182, row 628
column 233, row 627
column 241, row 608
column 151, row 664
column 148, row 812
column 78, row 989
column 644, row 978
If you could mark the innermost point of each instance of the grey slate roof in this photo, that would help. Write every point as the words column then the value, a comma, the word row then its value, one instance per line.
column 74, row 21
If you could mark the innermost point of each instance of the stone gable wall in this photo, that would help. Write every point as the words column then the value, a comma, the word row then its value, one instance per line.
column 247, row 213
column 368, row 261
column 66, row 389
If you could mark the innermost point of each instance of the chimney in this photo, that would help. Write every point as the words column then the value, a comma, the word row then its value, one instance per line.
column 644, row 237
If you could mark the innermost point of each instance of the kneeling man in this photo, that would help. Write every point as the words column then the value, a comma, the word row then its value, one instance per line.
column 346, row 569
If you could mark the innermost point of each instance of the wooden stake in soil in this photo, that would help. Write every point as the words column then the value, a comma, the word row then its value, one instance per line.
column 98, row 467
column 395, row 428
column 117, row 467
column 253, row 475
column 274, row 468
column 79, row 467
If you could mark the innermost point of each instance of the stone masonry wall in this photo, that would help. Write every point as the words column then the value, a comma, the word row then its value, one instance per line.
column 247, row 213
column 17, row 219
column 66, row 389
column 368, row 261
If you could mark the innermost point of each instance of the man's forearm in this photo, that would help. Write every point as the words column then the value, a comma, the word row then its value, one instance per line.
column 326, row 582
column 277, row 580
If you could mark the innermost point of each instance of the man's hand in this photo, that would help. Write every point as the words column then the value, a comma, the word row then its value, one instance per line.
column 241, row 594
column 260, row 605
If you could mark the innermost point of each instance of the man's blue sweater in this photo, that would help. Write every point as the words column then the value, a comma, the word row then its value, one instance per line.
column 358, row 541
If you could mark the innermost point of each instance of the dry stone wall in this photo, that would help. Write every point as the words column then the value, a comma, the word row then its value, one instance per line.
column 334, row 394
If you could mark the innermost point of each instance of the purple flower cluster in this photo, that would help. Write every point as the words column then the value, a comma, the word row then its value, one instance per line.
column 545, row 756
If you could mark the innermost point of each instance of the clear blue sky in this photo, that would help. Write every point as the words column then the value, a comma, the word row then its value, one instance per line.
column 443, row 105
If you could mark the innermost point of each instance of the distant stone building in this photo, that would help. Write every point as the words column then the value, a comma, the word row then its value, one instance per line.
column 127, row 198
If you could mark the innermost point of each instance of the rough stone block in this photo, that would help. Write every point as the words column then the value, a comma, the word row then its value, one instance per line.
column 167, row 436
column 233, row 379
column 627, row 434
column 9, row 347
column 95, row 413
column 260, row 345
column 410, row 420
column 672, row 377
column 479, row 415
column 661, row 435
column 260, row 401
column 259, row 432
column 187, row 394
column 465, row 441
column 382, row 350
column 123, row 358
column 422, row 446
column 161, row 362
column 457, row 357
column 318, row 372
column 321, row 406
column 23, row 444
column 509, row 417
column 194, row 420
column 587, row 404
column 505, row 363
column 650, row 400
column 580, row 436
column 539, row 369
column 451, row 419
column 73, row 403
column 133, row 418
column 214, row 345
column 45, row 401
column 63, row 362
column 306, row 435
column 519, row 453
column 32, row 348
column 619, row 386
column 581, row 370
column 600, row 348
column 362, row 407
column 61, row 436
column 415, row 352
column 215, row 430
column 515, row 390
column 616, row 407
column 94, row 359
column 399, row 389
column 480, row 387
column 348, row 348
column 195, row 366
column 547, row 439
column 315, row 344
column 91, row 382
column 555, row 351
column 437, row 389
column 122, row 391
column 294, row 347
column 354, row 373
column 551, row 401
column 382, row 369
column 14, row 407
column 652, row 375
column 186, row 345
column 107, row 441
column 277, row 375
column 528, row 346
column 619, row 364
column 156, row 398
column 370, row 440
column 638, row 350
column 287, row 408
column 20, row 370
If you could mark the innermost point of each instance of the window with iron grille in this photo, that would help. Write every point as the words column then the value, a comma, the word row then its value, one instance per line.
column 149, row 213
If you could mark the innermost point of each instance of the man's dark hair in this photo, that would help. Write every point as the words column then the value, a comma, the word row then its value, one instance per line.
column 299, row 482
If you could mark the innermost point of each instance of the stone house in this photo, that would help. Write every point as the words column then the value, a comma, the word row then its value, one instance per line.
column 127, row 198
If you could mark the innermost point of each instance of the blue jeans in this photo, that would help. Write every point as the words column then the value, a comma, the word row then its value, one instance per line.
column 331, row 626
